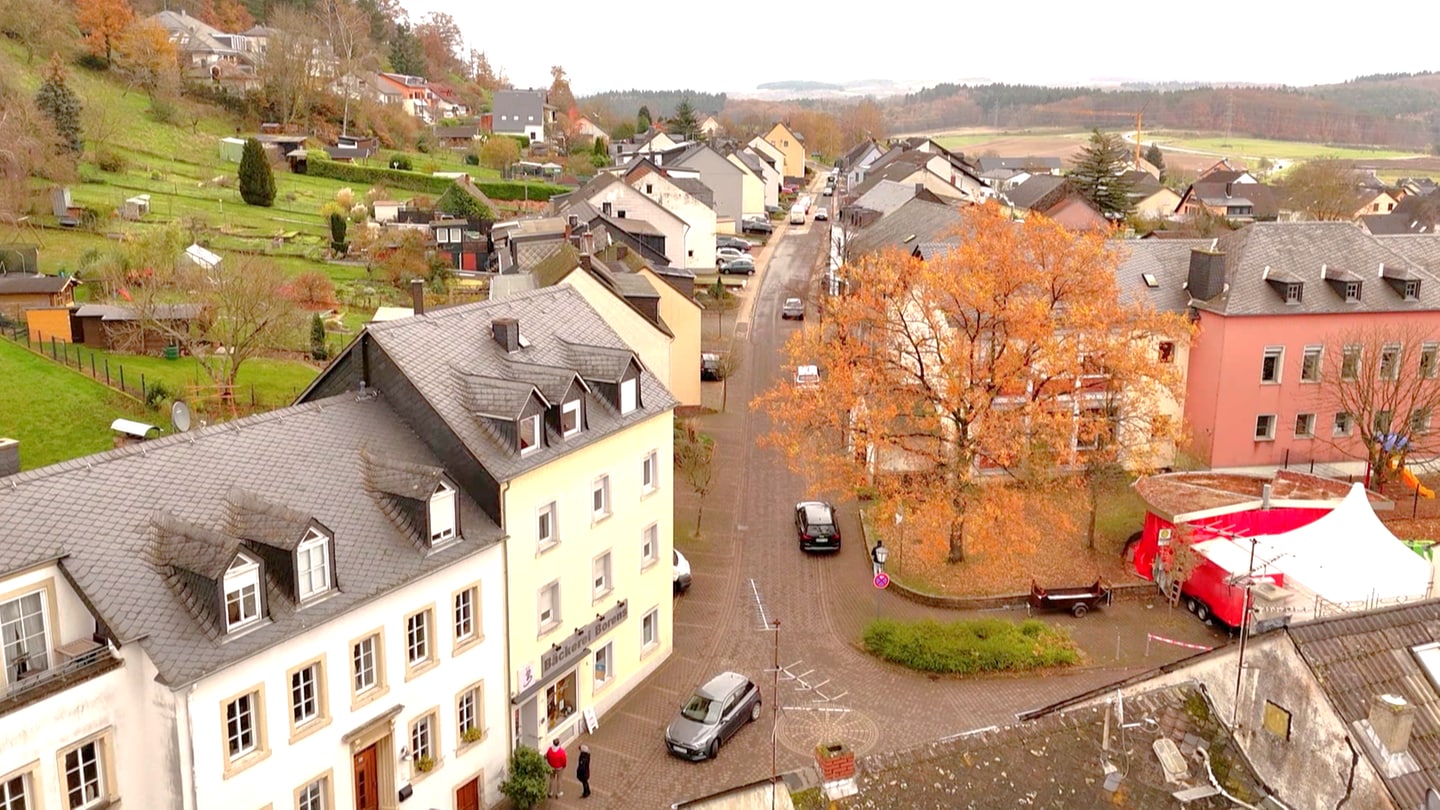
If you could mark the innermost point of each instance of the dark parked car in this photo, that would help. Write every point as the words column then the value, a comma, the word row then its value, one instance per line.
column 709, row 366
column 744, row 264
column 712, row 715
column 757, row 226
column 774, row 210
column 815, row 523
column 733, row 242
column 794, row 308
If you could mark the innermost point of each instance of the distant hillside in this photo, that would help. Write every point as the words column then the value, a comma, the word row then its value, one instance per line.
column 799, row 85
column 625, row 104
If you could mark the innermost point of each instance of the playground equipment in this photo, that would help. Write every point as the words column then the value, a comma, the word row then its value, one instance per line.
column 1414, row 483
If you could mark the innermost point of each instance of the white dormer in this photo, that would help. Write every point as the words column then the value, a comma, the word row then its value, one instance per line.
column 529, row 429
column 313, row 566
column 572, row 417
column 629, row 395
column 442, row 514
column 242, row 592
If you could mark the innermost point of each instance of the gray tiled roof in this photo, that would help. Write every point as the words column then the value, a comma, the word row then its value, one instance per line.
column 852, row 158
column 885, row 196
column 120, row 504
column 561, row 329
column 16, row 284
column 1165, row 260
column 253, row 517
column 111, row 312
column 1027, row 163
column 914, row 222
column 1357, row 658
column 1034, row 189
column 695, row 188
column 519, row 108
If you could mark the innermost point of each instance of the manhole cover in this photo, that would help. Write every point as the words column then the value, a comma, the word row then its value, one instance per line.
column 803, row 729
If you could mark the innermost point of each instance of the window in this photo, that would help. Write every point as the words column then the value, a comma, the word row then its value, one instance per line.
column 442, row 514
column 1419, row 421
column 600, row 497
column 84, row 776
column 422, row 738
column 1381, row 423
column 1293, row 293
column 1304, row 425
column 545, row 525
column 570, row 418
column 1390, row 362
column 417, row 638
column 549, row 604
column 560, row 700
column 649, row 466
column 1350, row 363
column 601, row 665
column 629, row 394
column 242, row 593
column 650, row 629
column 1429, row 354
column 469, row 713
column 304, row 694
column 1412, row 290
column 529, row 433
column 240, row 725
column 1352, row 291
column 649, row 545
column 1344, row 425
column 465, row 626
column 649, row 188
column 366, row 657
column 15, row 793
column 24, row 646
column 312, row 561
column 312, row 796
column 1167, row 351
column 1270, row 365
column 1310, row 364
column 600, row 576
column 1264, row 427
column 1276, row 721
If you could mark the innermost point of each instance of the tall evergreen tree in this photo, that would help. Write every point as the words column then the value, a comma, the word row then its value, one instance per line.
column 61, row 105
column 1156, row 158
column 683, row 123
column 1099, row 174
column 407, row 55
column 642, row 119
column 257, row 181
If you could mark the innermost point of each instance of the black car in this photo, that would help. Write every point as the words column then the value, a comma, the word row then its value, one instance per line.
column 709, row 366
column 757, row 226
column 742, row 245
column 816, row 526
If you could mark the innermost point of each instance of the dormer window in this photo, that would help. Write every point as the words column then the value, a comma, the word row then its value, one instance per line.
column 1352, row 291
column 312, row 565
column 1292, row 293
column 570, row 421
column 629, row 395
column 1411, row 290
column 442, row 514
column 242, row 592
column 529, row 433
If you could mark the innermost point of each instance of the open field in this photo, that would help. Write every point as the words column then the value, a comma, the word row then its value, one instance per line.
column 1256, row 148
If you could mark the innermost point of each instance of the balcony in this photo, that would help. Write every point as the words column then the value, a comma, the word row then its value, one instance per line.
column 79, row 661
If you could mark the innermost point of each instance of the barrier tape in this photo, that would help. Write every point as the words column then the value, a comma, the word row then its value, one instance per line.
column 1188, row 646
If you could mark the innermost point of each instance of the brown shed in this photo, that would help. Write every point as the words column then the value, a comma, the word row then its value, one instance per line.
column 19, row 292
column 117, row 328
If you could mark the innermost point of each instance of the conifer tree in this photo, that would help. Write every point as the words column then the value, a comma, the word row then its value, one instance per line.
column 257, row 181
column 1156, row 158
column 1099, row 175
column 61, row 105
column 642, row 119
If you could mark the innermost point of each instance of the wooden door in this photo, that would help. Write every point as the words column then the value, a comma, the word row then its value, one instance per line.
column 367, row 781
column 467, row 796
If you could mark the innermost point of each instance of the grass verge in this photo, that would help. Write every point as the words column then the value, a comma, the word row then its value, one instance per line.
column 970, row 647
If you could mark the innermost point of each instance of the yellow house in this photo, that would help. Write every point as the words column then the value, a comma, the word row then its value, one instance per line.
column 792, row 146
column 561, row 433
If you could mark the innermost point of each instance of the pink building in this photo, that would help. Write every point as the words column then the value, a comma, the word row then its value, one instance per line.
column 1274, row 302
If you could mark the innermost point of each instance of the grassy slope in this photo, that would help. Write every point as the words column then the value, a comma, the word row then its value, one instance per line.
column 56, row 414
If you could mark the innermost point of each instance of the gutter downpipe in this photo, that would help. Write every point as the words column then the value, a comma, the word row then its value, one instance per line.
column 190, row 743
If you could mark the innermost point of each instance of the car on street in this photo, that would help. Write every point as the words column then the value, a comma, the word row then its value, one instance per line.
column 794, row 308
column 726, row 254
column 709, row 366
column 807, row 375
column 734, row 242
column 756, row 225
column 797, row 214
column 829, row 191
column 815, row 524
column 772, row 210
column 822, row 214
column 790, row 188
column 682, row 572
column 712, row 715
column 744, row 264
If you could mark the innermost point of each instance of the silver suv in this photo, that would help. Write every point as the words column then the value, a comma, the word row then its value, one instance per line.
column 712, row 715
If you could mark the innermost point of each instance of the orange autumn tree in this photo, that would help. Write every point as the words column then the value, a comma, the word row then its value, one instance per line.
column 972, row 386
column 103, row 22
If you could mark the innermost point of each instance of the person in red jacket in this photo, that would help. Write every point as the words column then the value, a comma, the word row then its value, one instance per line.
column 555, row 756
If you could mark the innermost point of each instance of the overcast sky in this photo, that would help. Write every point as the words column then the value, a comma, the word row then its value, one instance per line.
column 714, row 47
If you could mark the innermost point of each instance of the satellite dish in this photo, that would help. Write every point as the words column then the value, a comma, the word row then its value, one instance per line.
column 180, row 416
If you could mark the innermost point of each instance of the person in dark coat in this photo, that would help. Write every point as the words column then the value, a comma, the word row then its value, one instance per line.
column 582, row 771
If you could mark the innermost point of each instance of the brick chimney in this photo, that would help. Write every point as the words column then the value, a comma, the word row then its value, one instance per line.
column 1207, row 274
column 1392, row 719
column 9, row 457
column 507, row 334
column 417, row 295
column 836, row 761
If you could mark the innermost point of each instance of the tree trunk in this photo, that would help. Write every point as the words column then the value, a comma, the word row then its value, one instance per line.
column 1094, row 510
column 699, row 513
column 957, row 541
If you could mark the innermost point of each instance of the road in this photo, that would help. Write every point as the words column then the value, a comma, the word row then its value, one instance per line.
column 749, row 572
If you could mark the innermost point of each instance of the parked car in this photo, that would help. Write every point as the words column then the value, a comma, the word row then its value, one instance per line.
column 744, row 264
column 794, row 308
column 733, row 242
column 709, row 366
column 822, row 214
column 682, row 572
column 726, row 254
column 797, row 214
column 807, row 375
column 829, row 191
column 790, row 188
column 773, row 210
column 712, row 715
column 756, row 226
column 816, row 526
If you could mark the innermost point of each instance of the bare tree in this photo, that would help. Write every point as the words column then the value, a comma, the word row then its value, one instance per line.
column 1381, row 386
column 1323, row 189
column 348, row 28
column 29, row 148
column 293, row 64
column 694, row 457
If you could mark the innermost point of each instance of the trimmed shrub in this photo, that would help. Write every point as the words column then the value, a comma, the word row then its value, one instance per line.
column 968, row 647
column 429, row 184
column 401, row 162
column 457, row 202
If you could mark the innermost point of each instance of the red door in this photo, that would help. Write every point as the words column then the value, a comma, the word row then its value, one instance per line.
column 467, row 796
column 367, row 781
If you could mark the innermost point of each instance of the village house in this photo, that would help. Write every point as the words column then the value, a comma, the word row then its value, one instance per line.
column 680, row 192
column 791, row 148
column 725, row 180
column 522, row 113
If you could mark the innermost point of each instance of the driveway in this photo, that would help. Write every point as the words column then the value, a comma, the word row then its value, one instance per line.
column 749, row 572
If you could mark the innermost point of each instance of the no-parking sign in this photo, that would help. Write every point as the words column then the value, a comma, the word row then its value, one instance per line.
column 882, row 580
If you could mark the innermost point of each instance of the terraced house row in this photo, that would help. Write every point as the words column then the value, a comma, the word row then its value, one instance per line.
column 456, row 542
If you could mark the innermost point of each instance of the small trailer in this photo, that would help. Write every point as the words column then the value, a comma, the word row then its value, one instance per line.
column 1076, row 601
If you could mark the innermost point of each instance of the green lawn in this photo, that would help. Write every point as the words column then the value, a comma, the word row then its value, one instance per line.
column 1260, row 147
column 56, row 414
column 963, row 140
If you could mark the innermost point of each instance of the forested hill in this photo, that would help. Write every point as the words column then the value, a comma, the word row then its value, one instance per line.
column 626, row 103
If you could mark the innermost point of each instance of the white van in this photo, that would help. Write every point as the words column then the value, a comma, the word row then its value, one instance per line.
column 797, row 214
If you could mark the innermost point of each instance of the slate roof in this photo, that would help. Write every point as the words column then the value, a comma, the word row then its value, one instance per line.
column 1413, row 214
column 191, row 33
column 173, row 497
column 1037, row 188
column 1167, row 261
column 1027, row 163
column 887, row 195
column 695, row 188
column 915, row 222
column 16, row 284
column 513, row 110
column 255, row 517
column 1356, row 658
column 454, row 347
column 852, row 158
column 111, row 312
column 1058, row 760
column 1142, row 184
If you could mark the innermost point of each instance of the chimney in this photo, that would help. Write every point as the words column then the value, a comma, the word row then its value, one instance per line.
column 621, row 251
column 417, row 295
column 9, row 457
column 608, row 209
column 589, row 242
column 572, row 220
column 507, row 334
column 919, row 187
column 586, row 262
column 1207, row 274
column 1391, row 718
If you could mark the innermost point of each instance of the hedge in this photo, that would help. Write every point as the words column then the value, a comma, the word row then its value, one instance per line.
column 426, row 183
column 966, row 647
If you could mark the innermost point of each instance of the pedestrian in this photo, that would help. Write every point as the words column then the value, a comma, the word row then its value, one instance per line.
column 555, row 757
column 582, row 771
column 877, row 557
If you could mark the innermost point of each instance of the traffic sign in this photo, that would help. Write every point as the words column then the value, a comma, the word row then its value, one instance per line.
column 882, row 580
